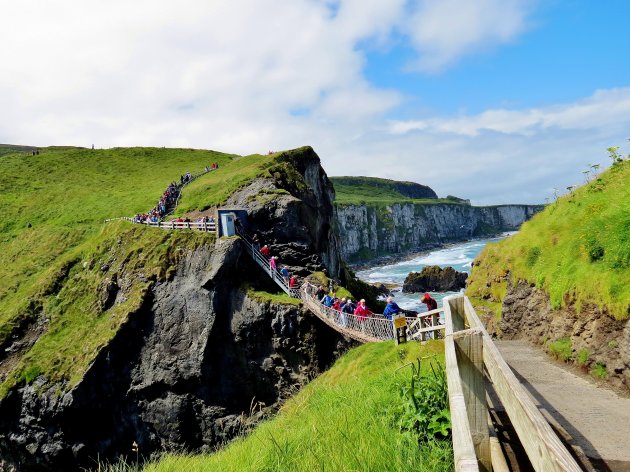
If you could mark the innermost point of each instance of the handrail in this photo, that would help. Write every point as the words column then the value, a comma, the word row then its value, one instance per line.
column 361, row 328
column 469, row 349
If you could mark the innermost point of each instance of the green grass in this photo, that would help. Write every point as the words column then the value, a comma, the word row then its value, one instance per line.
column 53, row 209
column 577, row 250
column 360, row 190
column 342, row 421
column 275, row 298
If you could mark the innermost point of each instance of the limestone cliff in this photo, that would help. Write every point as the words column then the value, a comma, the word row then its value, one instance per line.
column 370, row 231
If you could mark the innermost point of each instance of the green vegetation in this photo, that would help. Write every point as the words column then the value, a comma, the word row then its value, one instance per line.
column 582, row 357
column 599, row 371
column 561, row 349
column 577, row 250
column 274, row 298
column 360, row 190
column 425, row 413
column 53, row 241
column 347, row 419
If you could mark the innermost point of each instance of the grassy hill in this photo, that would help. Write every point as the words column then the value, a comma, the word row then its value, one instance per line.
column 576, row 250
column 53, row 242
column 346, row 419
column 358, row 190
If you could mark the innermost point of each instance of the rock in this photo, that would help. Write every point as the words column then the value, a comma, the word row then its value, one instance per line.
column 435, row 279
column 527, row 314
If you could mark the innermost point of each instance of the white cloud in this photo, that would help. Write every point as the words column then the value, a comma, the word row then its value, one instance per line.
column 605, row 108
column 445, row 30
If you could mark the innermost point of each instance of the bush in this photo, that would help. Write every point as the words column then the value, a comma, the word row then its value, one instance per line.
column 561, row 349
column 599, row 371
column 582, row 357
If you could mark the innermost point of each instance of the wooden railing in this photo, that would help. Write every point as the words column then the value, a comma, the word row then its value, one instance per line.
column 468, row 350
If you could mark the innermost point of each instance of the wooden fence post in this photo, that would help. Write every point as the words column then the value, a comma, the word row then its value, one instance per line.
column 469, row 349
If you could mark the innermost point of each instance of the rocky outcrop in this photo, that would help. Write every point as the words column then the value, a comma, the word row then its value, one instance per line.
column 291, row 209
column 598, row 342
column 199, row 361
column 370, row 231
column 434, row 279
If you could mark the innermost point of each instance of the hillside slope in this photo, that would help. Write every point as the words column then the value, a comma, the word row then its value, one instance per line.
column 564, row 280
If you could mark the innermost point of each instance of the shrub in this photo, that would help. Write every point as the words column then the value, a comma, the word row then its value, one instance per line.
column 582, row 357
column 599, row 371
column 561, row 349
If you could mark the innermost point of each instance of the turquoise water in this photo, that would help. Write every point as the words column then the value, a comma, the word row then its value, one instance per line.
column 459, row 256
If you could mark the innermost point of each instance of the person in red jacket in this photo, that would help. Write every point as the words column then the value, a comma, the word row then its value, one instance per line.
column 265, row 251
column 429, row 302
column 361, row 310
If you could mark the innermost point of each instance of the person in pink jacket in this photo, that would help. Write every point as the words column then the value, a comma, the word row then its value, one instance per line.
column 361, row 310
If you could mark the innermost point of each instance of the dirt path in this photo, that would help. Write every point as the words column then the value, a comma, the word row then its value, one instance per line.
column 596, row 418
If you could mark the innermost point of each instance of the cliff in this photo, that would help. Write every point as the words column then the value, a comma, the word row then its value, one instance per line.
column 169, row 339
column 367, row 231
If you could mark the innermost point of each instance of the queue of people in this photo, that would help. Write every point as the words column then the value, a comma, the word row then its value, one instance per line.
column 168, row 199
column 290, row 280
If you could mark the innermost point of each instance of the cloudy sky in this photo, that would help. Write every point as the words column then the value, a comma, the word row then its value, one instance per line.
column 499, row 101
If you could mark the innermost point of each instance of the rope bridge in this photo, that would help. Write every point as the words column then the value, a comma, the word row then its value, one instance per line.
column 364, row 329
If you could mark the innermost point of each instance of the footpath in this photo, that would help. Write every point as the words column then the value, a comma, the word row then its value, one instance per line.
column 597, row 419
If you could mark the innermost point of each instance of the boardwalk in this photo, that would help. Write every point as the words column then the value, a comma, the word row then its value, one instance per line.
column 597, row 419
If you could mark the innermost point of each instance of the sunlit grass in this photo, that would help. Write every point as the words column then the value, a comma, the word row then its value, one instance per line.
column 342, row 421
column 577, row 250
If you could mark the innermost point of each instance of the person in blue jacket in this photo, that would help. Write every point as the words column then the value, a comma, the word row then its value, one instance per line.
column 391, row 309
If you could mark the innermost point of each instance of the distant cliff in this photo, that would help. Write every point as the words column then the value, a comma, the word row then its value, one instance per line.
column 370, row 230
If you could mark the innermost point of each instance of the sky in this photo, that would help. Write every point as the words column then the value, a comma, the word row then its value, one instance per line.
column 498, row 101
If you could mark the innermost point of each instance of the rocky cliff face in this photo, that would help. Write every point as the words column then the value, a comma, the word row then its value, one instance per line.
column 292, row 211
column 597, row 342
column 366, row 231
column 200, row 361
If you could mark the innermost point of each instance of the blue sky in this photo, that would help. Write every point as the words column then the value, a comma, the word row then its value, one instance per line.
column 499, row 101
column 570, row 49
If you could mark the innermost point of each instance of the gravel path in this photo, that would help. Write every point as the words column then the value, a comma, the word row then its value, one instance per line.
column 597, row 418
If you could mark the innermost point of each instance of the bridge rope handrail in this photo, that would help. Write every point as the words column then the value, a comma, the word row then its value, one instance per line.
column 368, row 328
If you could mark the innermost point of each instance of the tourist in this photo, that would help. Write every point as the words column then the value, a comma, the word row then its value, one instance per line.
column 348, row 307
column 285, row 274
column 391, row 309
column 292, row 281
column 361, row 310
column 328, row 300
column 337, row 304
column 429, row 302
column 320, row 293
column 265, row 251
column 273, row 264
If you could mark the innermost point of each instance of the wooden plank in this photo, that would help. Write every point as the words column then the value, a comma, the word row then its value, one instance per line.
column 469, row 350
column 463, row 447
column 543, row 447
column 499, row 464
